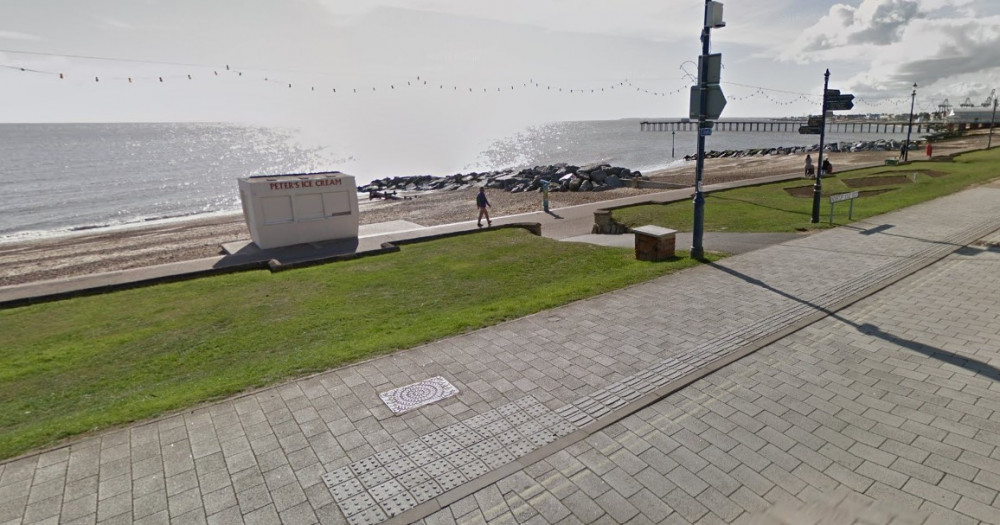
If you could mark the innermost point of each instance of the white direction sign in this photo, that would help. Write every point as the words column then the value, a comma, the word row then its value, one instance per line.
column 716, row 102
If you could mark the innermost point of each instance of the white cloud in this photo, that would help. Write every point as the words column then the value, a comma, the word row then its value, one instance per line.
column 114, row 23
column 15, row 35
column 640, row 18
column 938, row 44
column 876, row 22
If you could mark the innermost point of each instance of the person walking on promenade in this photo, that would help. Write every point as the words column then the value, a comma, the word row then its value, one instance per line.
column 930, row 150
column 810, row 169
column 482, row 203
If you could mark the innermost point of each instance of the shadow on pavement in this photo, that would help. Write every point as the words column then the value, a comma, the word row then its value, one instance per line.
column 881, row 229
column 759, row 205
column 968, row 363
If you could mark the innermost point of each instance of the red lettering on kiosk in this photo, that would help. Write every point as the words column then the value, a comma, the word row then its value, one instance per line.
column 291, row 185
column 283, row 185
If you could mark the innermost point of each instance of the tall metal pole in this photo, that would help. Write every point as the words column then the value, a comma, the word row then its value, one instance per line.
column 993, row 119
column 906, row 147
column 697, row 249
column 673, row 138
column 818, row 185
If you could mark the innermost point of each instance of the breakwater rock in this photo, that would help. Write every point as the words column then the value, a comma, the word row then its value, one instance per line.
column 560, row 177
column 836, row 147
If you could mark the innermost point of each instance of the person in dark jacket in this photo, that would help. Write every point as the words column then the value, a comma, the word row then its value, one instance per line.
column 482, row 203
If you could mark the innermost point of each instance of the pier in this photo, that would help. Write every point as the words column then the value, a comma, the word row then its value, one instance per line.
column 785, row 126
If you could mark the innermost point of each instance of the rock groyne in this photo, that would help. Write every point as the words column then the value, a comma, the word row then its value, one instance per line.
column 834, row 147
column 560, row 177
column 591, row 177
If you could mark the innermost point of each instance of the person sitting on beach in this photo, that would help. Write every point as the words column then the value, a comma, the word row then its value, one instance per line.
column 827, row 167
column 810, row 169
column 482, row 203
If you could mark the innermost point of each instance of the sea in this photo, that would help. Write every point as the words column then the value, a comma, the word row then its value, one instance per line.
column 63, row 179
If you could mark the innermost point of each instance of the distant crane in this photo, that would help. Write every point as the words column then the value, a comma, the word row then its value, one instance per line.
column 967, row 104
column 989, row 99
column 944, row 107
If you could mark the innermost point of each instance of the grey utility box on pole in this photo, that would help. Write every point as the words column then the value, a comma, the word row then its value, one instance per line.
column 712, row 65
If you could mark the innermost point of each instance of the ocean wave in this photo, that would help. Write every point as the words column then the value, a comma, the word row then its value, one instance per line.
column 108, row 227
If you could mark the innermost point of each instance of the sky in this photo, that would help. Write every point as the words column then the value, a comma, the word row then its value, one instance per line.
column 416, row 73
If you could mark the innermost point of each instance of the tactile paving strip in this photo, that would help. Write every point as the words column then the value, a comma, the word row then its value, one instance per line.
column 395, row 480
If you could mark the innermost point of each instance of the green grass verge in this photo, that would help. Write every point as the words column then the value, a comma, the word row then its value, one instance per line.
column 770, row 208
column 81, row 364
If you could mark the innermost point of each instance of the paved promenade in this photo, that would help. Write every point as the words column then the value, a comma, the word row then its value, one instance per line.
column 851, row 373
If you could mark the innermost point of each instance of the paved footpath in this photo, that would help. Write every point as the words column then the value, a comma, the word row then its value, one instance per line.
column 850, row 373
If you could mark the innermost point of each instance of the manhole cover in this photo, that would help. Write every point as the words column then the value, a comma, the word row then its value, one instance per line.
column 419, row 394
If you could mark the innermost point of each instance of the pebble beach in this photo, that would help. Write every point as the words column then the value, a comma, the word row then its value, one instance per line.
column 145, row 245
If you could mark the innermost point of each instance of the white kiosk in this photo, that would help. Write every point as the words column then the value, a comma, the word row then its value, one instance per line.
column 282, row 210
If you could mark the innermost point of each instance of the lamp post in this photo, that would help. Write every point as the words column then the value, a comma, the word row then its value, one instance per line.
column 906, row 147
column 993, row 118
column 707, row 80
column 673, row 137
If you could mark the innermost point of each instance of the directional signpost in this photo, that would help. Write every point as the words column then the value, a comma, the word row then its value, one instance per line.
column 813, row 127
column 837, row 102
column 716, row 102
column 833, row 100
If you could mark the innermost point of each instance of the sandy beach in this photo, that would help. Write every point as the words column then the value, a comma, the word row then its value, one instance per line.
column 146, row 245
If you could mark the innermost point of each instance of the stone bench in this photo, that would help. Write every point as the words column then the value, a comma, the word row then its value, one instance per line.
column 654, row 243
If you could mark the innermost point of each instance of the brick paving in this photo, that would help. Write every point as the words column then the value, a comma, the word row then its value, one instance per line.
column 886, row 406
column 886, row 412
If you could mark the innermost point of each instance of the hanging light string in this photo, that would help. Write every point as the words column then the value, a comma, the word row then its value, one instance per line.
column 29, row 70
column 625, row 85
column 773, row 96
column 766, row 94
column 898, row 102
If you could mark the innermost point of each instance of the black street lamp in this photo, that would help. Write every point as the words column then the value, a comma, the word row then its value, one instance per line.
column 906, row 147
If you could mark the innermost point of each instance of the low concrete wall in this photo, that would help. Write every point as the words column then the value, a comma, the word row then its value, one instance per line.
column 273, row 265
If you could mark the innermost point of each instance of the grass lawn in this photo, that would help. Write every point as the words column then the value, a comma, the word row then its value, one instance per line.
column 771, row 208
column 72, row 366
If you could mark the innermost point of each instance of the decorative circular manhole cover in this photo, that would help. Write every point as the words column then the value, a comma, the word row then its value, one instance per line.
column 418, row 394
